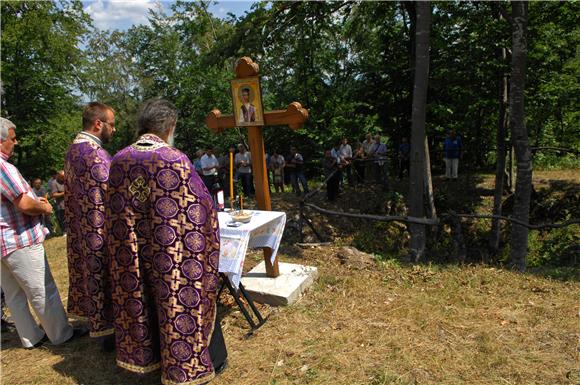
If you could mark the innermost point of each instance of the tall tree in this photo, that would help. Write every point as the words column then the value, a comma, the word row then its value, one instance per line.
column 416, row 184
column 502, row 85
column 111, row 77
column 521, row 211
column 41, row 62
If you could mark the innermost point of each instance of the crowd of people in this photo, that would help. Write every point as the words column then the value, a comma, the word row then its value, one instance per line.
column 289, row 169
column 368, row 162
column 213, row 168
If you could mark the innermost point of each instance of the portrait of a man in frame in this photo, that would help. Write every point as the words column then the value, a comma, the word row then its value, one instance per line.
column 247, row 102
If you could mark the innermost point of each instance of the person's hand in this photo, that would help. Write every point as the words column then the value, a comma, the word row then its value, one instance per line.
column 46, row 206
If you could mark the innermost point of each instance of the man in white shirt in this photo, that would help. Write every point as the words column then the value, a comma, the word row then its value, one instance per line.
column 243, row 163
column 379, row 152
column 277, row 164
column 296, row 163
column 345, row 153
column 209, row 168
column 367, row 145
column 345, row 150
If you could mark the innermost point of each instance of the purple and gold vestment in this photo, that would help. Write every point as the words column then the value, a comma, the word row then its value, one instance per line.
column 163, row 239
column 86, row 176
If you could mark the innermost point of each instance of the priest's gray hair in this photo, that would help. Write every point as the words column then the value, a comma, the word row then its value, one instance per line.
column 5, row 125
column 157, row 116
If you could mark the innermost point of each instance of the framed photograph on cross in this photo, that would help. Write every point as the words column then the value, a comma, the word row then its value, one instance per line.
column 247, row 97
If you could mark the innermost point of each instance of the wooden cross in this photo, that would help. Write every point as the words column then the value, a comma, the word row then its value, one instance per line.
column 294, row 117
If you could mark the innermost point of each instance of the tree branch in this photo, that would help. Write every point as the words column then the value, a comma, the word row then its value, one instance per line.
column 516, row 221
column 562, row 149
column 379, row 218
column 435, row 221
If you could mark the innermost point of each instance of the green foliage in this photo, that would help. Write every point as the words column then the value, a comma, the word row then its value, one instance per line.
column 54, row 142
column 558, row 247
column 555, row 161
column 41, row 61
column 385, row 239
column 348, row 63
column 553, row 89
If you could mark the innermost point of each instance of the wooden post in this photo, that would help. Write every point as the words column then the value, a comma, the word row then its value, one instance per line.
column 259, row 168
column 272, row 270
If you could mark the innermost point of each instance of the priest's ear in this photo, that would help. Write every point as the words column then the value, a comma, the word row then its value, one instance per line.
column 98, row 126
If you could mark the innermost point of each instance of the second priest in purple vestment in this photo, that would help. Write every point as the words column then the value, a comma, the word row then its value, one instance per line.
column 86, row 176
column 163, row 239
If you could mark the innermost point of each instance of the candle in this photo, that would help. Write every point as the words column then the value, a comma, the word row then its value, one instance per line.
column 232, row 179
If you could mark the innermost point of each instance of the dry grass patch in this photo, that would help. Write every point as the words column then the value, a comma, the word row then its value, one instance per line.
column 388, row 325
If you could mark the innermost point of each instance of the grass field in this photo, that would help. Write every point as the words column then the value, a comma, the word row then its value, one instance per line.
column 378, row 324
column 387, row 325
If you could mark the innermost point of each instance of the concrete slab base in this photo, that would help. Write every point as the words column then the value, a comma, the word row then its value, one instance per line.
column 280, row 291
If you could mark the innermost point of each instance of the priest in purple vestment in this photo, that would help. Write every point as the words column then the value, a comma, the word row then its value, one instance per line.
column 163, row 239
column 86, row 175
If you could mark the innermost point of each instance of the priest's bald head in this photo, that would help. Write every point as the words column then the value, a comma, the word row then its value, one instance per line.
column 159, row 117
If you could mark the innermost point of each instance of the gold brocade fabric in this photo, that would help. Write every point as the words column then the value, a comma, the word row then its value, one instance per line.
column 86, row 176
column 163, row 238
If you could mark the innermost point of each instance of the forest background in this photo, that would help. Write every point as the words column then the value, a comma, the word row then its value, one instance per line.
column 350, row 63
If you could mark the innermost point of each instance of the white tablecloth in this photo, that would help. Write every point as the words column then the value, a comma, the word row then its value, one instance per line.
column 264, row 230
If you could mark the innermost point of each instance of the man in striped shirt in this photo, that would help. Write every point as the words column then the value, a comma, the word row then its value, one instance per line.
column 26, row 276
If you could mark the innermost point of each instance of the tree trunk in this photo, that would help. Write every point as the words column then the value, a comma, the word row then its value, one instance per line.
column 521, row 211
column 501, row 153
column 416, row 184
column 510, row 170
column 411, row 9
column 430, row 207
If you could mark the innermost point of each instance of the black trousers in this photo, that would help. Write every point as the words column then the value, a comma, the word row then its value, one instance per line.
column 332, row 186
column 217, row 345
column 359, row 168
column 60, row 219
column 247, row 183
column 404, row 165
column 348, row 171
column 209, row 181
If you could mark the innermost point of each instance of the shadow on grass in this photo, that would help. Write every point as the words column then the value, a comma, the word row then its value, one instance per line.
column 85, row 363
